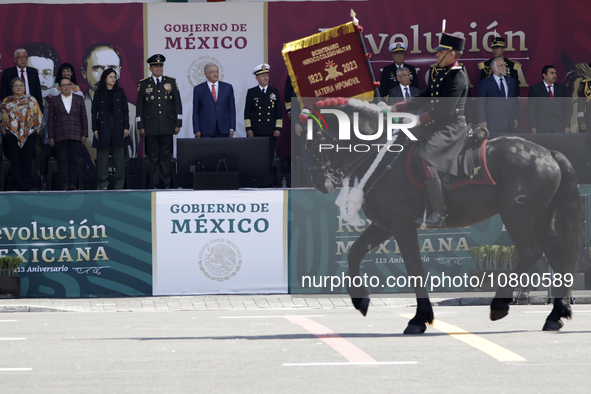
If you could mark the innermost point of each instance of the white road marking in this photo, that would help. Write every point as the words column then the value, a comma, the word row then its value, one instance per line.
column 574, row 311
column 12, row 339
column 5, row 321
column 15, row 369
column 345, row 348
column 353, row 363
column 266, row 317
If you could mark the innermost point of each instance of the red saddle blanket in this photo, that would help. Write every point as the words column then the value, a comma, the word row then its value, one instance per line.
column 480, row 174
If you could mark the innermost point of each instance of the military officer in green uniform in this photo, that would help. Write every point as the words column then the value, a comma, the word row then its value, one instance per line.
column 498, row 49
column 584, row 105
column 262, row 111
column 159, row 117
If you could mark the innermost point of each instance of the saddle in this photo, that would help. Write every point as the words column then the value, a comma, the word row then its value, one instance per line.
column 472, row 159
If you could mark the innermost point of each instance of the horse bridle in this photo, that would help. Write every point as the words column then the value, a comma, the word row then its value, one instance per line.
column 336, row 176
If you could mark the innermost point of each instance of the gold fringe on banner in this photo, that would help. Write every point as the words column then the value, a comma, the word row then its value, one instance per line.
column 317, row 38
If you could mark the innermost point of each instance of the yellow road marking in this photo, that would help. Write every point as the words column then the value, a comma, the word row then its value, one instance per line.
column 484, row 345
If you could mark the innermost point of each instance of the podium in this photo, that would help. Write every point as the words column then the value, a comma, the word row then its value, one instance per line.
column 218, row 163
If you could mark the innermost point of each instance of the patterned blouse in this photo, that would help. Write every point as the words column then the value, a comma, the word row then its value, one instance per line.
column 21, row 116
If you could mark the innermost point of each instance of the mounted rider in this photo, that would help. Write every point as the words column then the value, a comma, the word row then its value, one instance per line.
column 443, row 125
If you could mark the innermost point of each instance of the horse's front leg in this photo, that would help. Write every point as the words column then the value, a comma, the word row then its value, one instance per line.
column 408, row 242
column 369, row 239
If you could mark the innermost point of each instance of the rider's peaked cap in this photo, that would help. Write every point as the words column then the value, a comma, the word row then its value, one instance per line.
column 451, row 42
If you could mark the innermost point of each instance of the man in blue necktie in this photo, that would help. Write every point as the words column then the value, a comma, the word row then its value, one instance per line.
column 404, row 91
column 498, row 106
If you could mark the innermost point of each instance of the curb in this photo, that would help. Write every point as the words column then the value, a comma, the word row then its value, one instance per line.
column 224, row 302
column 485, row 301
column 30, row 308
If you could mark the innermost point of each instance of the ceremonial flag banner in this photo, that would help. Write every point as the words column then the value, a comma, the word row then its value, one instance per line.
column 329, row 64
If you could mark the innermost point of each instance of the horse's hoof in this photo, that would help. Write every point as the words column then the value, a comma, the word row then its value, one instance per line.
column 552, row 325
column 413, row 329
column 498, row 314
column 361, row 304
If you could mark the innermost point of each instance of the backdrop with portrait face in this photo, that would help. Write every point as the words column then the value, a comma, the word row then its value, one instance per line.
column 71, row 28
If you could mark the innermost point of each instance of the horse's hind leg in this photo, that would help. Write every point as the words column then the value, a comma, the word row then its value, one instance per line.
column 527, row 252
column 548, row 241
column 369, row 239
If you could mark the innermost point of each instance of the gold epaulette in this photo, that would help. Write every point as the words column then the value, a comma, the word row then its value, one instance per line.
column 516, row 65
column 166, row 76
column 481, row 65
column 586, row 80
column 142, row 80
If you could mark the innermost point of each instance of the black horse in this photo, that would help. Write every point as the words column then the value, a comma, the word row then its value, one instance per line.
column 535, row 194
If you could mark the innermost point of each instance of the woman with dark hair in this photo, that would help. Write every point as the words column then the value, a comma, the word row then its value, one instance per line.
column 21, row 120
column 65, row 70
column 110, row 125
column 67, row 129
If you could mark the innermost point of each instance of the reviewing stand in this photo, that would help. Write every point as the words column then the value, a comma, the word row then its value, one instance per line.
column 224, row 180
column 214, row 163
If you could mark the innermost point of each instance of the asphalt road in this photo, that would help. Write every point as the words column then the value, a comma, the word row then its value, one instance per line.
column 312, row 350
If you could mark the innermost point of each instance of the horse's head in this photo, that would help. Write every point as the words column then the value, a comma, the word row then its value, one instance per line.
column 325, row 162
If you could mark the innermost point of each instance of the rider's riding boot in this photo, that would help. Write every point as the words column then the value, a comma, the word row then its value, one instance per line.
column 435, row 192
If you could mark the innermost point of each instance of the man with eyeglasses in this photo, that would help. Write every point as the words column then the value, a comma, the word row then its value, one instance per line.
column 27, row 74
column 96, row 59
column 44, row 58
column 404, row 91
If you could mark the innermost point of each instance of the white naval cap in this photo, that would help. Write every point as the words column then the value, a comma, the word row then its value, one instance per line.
column 261, row 69
column 398, row 47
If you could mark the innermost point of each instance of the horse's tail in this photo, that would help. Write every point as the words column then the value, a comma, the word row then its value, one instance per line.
column 568, row 212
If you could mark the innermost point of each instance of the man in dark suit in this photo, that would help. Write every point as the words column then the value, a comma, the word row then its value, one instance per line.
column 548, row 106
column 498, row 50
column 214, row 108
column 403, row 91
column 498, row 105
column 159, row 117
column 262, row 111
column 27, row 74
column 67, row 129
column 388, row 80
